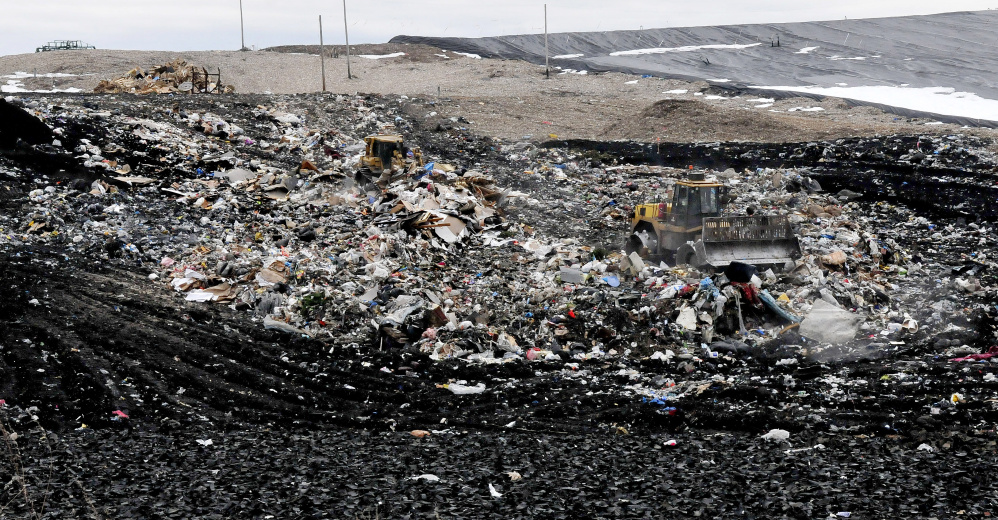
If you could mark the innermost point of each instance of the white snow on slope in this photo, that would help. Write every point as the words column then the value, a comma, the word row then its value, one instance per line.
column 938, row 100
column 380, row 56
column 14, row 86
column 806, row 50
column 687, row 48
column 22, row 75
column 566, row 56
column 468, row 54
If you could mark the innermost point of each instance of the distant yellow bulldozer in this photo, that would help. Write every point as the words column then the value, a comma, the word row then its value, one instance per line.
column 689, row 230
column 386, row 158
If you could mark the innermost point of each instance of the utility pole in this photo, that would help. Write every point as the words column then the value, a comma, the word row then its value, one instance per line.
column 242, row 34
column 547, row 68
column 322, row 55
column 346, row 35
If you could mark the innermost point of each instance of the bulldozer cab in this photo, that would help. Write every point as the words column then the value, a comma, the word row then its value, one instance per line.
column 692, row 201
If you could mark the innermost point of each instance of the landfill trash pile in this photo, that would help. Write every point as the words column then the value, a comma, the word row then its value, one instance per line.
column 174, row 77
column 190, row 265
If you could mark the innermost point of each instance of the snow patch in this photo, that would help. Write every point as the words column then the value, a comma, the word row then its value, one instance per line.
column 676, row 91
column 938, row 100
column 635, row 82
column 567, row 56
column 380, row 56
column 16, row 86
column 22, row 75
column 468, row 54
column 840, row 58
column 806, row 50
column 687, row 48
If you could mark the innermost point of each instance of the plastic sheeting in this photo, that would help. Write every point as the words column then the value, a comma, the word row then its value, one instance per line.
column 951, row 50
column 830, row 324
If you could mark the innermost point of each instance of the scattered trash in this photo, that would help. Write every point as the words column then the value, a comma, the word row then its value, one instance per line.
column 498, row 262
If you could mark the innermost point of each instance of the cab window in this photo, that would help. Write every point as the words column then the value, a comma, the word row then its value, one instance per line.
column 682, row 200
column 694, row 201
column 708, row 200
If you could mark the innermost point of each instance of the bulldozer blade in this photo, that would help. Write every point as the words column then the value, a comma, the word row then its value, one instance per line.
column 766, row 240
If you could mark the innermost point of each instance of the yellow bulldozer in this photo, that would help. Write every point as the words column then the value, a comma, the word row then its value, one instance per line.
column 385, row 159
column 689, row 230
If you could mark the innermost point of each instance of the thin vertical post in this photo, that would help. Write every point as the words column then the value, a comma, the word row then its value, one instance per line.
column 322, row 55
column 242, row 33
column 346, row 36
column 547, row 67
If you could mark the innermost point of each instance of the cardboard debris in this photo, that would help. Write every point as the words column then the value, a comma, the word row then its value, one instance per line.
column 176, row 76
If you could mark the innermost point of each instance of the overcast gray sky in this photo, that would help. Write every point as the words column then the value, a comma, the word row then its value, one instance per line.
column 214, row 24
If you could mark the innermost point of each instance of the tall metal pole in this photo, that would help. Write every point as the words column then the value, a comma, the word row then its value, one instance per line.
column 547, row 68
column 346, row 35
column 242, row 34
column 322, row 55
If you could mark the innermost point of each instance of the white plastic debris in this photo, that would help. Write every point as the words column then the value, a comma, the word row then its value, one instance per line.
column 687, row 318
column 830, row 324
column 776, row 434
column 465, row 389
column 493, row 492
column 663, row 356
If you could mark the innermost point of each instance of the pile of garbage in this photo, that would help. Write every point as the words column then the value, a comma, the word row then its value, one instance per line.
column 173, row 77
column 430, row 262
column 261, row 210
column 481, row 288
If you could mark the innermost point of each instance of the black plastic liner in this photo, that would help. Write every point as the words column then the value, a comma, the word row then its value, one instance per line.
column 949, row 50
